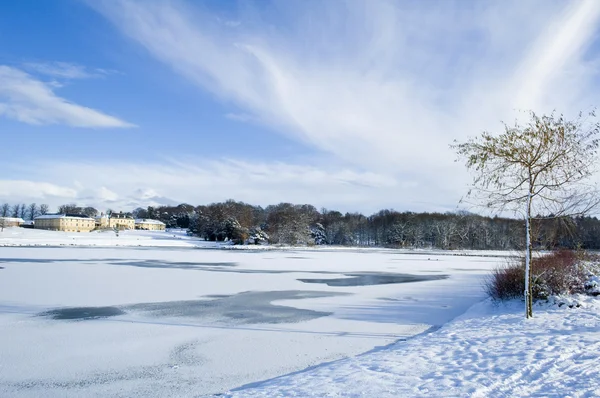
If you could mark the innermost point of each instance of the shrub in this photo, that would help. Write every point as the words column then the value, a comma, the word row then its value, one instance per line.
column 506, row 282
column 559, row 272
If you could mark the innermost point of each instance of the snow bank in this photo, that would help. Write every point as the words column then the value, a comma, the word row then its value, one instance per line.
column 129, row 238
column 490, row 351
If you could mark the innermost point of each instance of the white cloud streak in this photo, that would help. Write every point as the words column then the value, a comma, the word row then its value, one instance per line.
column 556, row 66
column 29, row 100
column 65, row 70
column 382, row 84
column 34, row 190
column 124, row 185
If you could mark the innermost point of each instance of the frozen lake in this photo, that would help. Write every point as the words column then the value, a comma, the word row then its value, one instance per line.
column 184, row 321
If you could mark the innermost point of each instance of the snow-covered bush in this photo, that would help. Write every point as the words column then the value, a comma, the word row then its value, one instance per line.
column 318, row 234
column 235, row 232
column 257, row 237
column 558, row 273
column 592, row 285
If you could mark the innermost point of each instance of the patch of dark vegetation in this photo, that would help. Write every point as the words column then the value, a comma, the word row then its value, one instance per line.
column 83, row 313
column 366, row 279
column 558, row 273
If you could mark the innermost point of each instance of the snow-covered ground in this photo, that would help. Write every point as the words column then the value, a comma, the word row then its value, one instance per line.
column 491, row 351
column 94, row 320
column 37, row 237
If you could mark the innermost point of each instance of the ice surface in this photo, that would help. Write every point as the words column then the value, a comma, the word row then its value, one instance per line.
column 168, row 321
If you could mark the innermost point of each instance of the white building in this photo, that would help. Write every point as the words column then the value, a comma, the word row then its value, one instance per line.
column 115, row 220
column 6, row 222
column 65, row 222
column 149, row 225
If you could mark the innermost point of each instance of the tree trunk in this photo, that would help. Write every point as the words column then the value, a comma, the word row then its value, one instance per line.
column 528, row 288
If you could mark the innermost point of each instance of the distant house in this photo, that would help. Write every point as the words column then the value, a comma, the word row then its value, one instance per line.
column 11, row 222
column 102, row 221
column 27, row 224
column 115, row 220
column 65, row 222
column 149, row 225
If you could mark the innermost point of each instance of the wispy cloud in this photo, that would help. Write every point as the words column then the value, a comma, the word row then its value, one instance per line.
column 380, row 84
column 29, row 100
column 240, row 117
column 128, row 185
column 65, row 70
column 34, row 190
column 556, row 70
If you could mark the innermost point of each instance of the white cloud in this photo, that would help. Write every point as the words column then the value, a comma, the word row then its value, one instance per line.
column 29, row 100
column 65, row 70
column 23, row 190
column 128, row 185
column 557, row 58
column 379, row 84
column 240, row 117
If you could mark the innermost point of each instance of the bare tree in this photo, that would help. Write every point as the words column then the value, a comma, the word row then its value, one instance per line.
column 5, row 210
column 23, row 211
column 44, row 208
column 69, row 208
column 3, row 223
column 16, row 209
column 89, row 211
column 32, row 210
column 541, row 167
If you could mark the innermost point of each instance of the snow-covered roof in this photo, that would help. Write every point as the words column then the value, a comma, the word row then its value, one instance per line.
column 148, row 221
column 70, row 216
column 13, row 219
column 115, row 216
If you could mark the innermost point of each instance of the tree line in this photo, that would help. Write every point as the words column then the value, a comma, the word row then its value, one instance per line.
column 288, row 223
column 24, row 211
column 33, row 210
column 293, row 224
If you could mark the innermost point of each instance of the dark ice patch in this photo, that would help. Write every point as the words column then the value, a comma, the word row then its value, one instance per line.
column 241, row 308
column 210, row 266
column 82, row 313
column 367, row 279
column 174, row 264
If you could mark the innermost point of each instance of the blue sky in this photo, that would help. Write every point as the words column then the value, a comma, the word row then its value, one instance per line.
column 343, row 104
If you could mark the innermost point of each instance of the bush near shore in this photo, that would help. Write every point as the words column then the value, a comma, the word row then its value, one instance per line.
column 561, row 272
